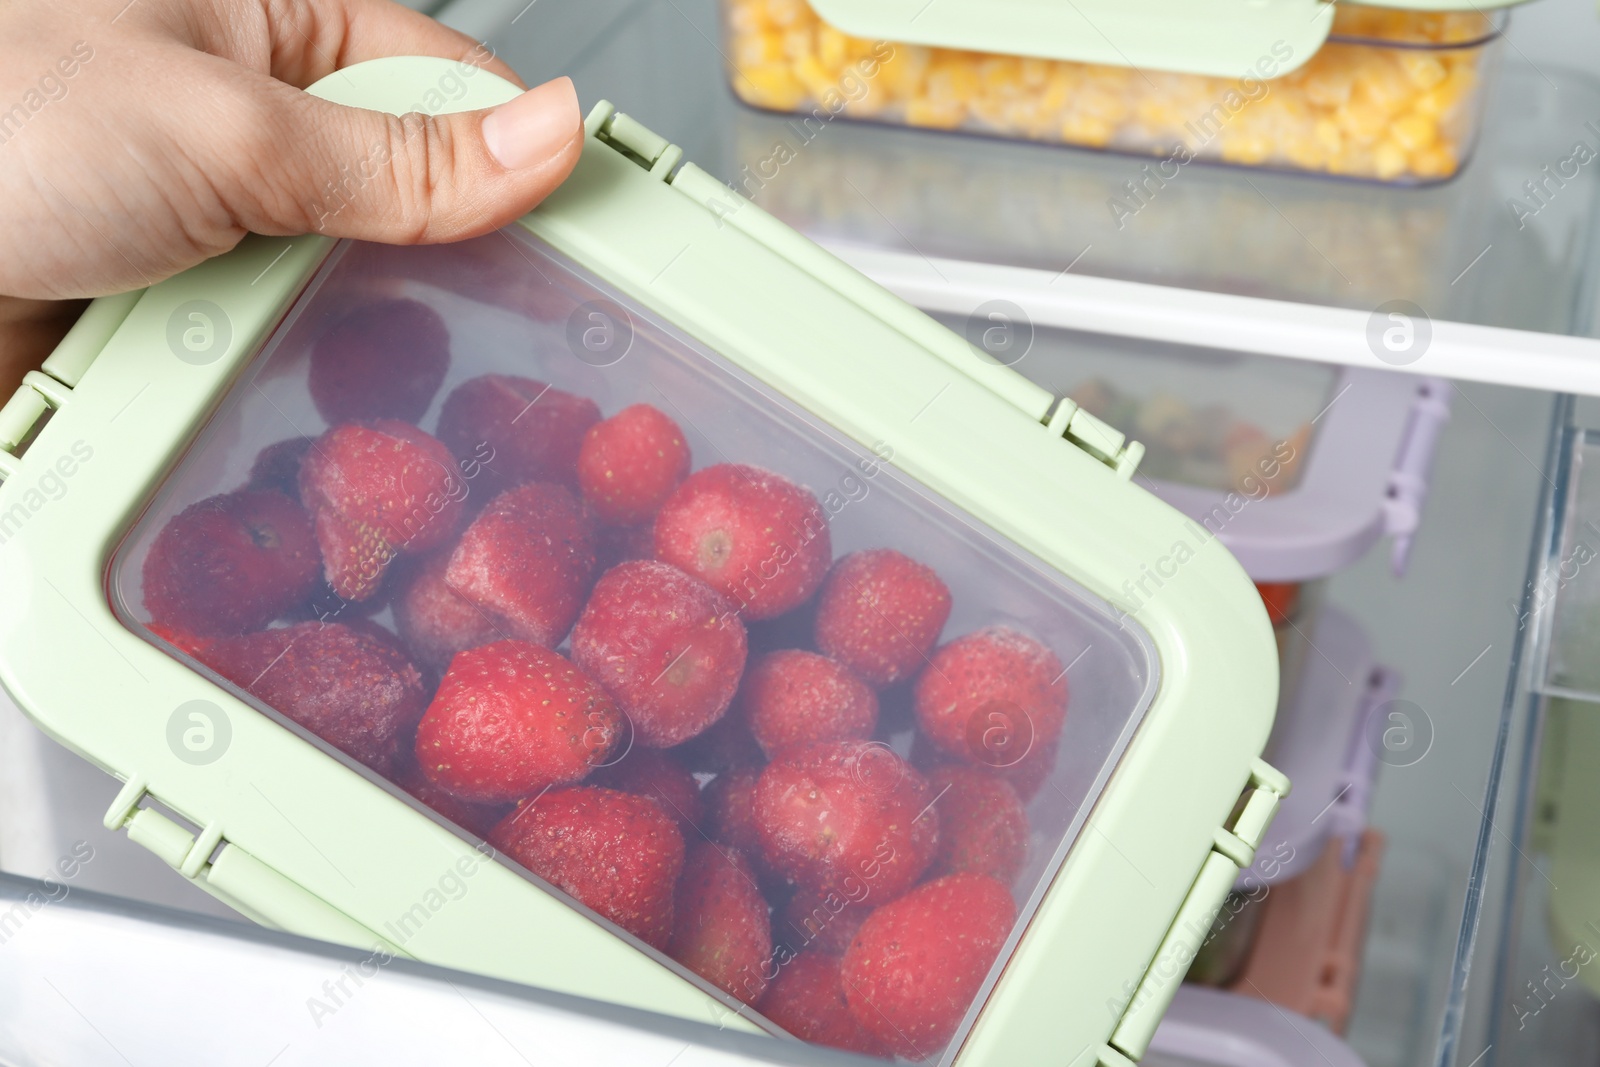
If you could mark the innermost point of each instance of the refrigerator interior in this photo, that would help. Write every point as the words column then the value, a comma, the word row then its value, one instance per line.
column 1442, row 965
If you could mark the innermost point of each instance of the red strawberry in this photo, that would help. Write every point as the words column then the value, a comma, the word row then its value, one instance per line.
column 383, row 360
column 665, row 647
column 721, row 931
column 348, row 685
column 629, row 463
column 479, row 819
column 521, row 430
column 187, row 643
column 1281, row 598
column 512, row 718
column 880, row 613
column 918, row 962
column 794, row 697
column 1025, row 777
column 730, row 810
column 982, row 825
column 617, row 853
column 649, row 772
column 278, row 466
column 991, row 697
column 435, row 620
column 752, row 535
column 825, row 922
column 230, row 563
column 528, row 561
column 807, row 999
column 838, row 814
column 374, row 491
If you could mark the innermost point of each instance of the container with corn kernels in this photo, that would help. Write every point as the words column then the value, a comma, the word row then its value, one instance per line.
column 1390, row 95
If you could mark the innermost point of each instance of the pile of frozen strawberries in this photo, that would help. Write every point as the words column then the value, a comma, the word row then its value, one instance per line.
column 651, row 685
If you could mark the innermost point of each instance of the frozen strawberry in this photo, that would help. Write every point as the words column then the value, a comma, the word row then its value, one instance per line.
column 230, row 563
column 807, row 999
column 383, row 360
column 476, row 818
column 617, row 853
column 982, row 825
column 187, row 643
column 665, row 646
column 649, row 772
column 721, row 930
column 512, row 718
column 826, row 921
column 880, row 612
column 629, row 463
column 346, row 684
column 1025, row 777
column 530, row 431
column 793, row 697
column 619, row 544
column 839, row 814
column 376, row 491
column 278, row 466
column 527, row 561
column 435, row 620
column 991, row 697
column 1282, row 599
column 730, row 810
column 754, row 536
column 914, row 968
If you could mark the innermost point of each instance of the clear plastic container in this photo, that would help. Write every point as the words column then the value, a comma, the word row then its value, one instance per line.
column 410, row 335
column 1392, row 95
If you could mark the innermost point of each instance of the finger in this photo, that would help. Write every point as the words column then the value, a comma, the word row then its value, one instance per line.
column 313, row 38
column 348, row 172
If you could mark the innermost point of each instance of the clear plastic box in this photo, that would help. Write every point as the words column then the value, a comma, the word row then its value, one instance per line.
column 506, row 304
column 1393, row 95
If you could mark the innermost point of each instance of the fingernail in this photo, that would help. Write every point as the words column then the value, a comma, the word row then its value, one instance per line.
column 534, row 126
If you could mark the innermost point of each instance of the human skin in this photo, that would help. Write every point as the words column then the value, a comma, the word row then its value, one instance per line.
column 138, row 139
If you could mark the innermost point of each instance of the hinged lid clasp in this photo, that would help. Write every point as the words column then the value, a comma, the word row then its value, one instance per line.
column 1095, row 437
column 633, row 139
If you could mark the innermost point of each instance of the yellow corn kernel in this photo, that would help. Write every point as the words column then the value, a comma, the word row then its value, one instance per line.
column 772, row 86
column 1086, row 129
column 903, row 74
column 1329, row 87
column 1423, row 70
column 952, row 83
column 1363, row 122
column 799, row 42
column 756, row 49
column 832, row 48
column 1439, row 161
column 817, row 79
column 1304, row 151
column 747, row 19
column 787, row 13
column 1328, row 135
column 940, row 116
column 1245, row 148
column 1388, row 160
column 1414, row 132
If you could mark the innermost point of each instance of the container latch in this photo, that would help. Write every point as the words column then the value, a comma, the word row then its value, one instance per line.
column 1232, row 850
column 632, row 139
column 1095, row 437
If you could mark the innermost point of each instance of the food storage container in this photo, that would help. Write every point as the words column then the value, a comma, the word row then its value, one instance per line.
column 1206, row 1027
column 1389, row 94
column 1292, row 930
column 294, row 543
column 1298, row 468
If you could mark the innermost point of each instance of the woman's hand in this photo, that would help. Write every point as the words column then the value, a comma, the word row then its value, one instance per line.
column 139, row 138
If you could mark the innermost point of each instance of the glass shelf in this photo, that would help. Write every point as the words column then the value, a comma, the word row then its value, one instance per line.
column 1459, row 250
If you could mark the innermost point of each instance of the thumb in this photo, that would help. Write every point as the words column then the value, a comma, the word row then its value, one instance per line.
column 413, row 179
